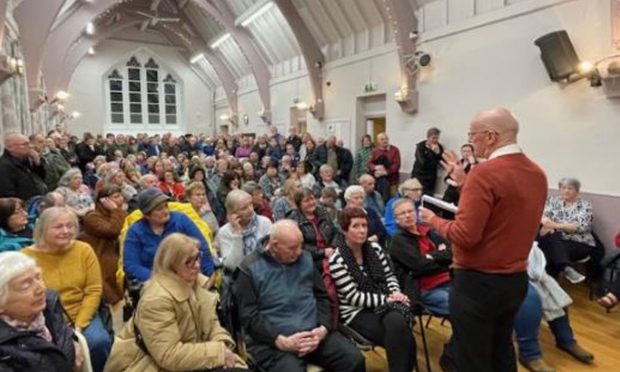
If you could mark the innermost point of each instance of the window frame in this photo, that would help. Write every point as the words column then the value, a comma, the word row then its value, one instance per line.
column 143, row 121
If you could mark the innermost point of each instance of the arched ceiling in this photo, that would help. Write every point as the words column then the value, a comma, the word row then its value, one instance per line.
column 253, row 37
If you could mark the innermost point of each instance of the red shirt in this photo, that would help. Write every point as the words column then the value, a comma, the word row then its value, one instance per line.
column 501, row 205
column 427, row 246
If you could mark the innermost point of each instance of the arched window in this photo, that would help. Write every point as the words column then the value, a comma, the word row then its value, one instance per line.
column 142, row 97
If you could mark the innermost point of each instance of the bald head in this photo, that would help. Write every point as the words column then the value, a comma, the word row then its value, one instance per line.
column 285, row 241
column 17, row 145
column 492, row 129
column 500, row 120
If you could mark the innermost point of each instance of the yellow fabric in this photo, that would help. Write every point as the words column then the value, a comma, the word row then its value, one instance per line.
column 186, row 209
column 73, row 273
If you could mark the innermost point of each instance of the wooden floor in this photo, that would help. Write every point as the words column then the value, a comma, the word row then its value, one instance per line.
column 595, row 330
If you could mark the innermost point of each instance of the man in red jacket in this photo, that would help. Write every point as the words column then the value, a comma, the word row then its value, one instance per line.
column 492, row 234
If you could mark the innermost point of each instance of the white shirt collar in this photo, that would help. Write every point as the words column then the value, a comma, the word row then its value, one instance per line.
column 506, row 150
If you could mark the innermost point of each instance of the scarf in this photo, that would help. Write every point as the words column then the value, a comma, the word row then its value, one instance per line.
column 250, row 238
column 370, row 277
column 37, row 326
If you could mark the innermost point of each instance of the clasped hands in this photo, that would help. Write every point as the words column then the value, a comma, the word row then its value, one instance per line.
column 399, row 297
column 301, row 343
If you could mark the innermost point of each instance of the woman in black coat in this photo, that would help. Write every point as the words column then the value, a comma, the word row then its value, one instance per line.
column 318, row 230
column 33, row 334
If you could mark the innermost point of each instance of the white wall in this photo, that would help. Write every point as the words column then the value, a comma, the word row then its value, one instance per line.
column 87, row 89
column 480, row 63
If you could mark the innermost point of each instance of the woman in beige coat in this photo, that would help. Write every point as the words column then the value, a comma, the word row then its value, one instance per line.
column 175, row 319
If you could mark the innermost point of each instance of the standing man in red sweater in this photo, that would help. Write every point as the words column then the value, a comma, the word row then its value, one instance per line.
column 491, row 238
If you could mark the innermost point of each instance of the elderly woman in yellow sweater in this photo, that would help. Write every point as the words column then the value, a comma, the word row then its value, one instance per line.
column 70, row 267
column 175, row 326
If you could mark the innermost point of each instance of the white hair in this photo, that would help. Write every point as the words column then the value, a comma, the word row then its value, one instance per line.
column 12, row 264
column 353, row 190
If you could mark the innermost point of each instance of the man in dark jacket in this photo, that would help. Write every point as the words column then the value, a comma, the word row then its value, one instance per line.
column 21, row 169
column 427, row 159
column 87, row 150
column 341, row 161
column 284, row 308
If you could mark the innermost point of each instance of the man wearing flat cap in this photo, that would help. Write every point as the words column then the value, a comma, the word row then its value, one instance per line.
column 144, row 236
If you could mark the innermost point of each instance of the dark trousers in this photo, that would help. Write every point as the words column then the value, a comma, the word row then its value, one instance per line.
column 482, row 311
column 393, row 333
column 335, row 353
column 561, row 253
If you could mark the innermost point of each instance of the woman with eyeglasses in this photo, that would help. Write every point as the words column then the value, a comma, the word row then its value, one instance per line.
column 175, row 326
column 15, row 231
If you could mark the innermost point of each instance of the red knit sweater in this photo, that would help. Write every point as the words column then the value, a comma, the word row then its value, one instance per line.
column 500, row 208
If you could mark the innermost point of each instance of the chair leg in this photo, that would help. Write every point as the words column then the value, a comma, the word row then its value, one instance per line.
column 428, row 321
column 426, row 357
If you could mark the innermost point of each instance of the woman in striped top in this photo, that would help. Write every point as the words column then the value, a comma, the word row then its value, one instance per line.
column 368, row 292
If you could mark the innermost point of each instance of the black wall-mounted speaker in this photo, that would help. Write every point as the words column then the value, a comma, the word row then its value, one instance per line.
column 558, row 55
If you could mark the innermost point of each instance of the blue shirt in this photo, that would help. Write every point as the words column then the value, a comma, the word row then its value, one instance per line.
column 141, row 245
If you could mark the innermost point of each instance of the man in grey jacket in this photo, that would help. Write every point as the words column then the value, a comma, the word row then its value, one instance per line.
column 284, row 308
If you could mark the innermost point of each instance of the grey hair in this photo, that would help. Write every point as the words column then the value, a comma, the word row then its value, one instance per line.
column 352, row 190
column 45, row 220
column 324, row 167
column 67, row 176
column 234, row 198
column 12, row 264
column 251, row 187
column 570, row 181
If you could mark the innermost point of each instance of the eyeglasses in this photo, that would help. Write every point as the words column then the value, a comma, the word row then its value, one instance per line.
column 471, row 134
column 191, row 260
column 405, row 213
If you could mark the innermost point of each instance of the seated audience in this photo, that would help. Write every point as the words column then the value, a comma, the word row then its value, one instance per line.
column 304, row 172
column 566, row 234
column 610, row 300
column 370, row 298
column 171, row 186
column 354, row 197
column 70, row 267
column 196, row 195
column 411, row 189
column 230, row 181
column 326, row 179
column 175, row 326
column 77, row 195
column 285, row 333
column 198, row 174
column 282, row 205
column 271, row 180
column 15, row 231
column 117, row 177
column 544, row 298
column 243, row 232
column 101, row 230
column 157, row 222
column 259, row 202
column 33, row 334
column 372, row 199
column 318, row 231
column 422, row 262
column 327, row 201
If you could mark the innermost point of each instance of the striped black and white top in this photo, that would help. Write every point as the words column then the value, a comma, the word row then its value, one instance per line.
column 352, row 300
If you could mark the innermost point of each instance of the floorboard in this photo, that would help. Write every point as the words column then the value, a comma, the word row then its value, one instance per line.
column 595, row 330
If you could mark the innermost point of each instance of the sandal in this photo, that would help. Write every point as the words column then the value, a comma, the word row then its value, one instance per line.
column 609, row 301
